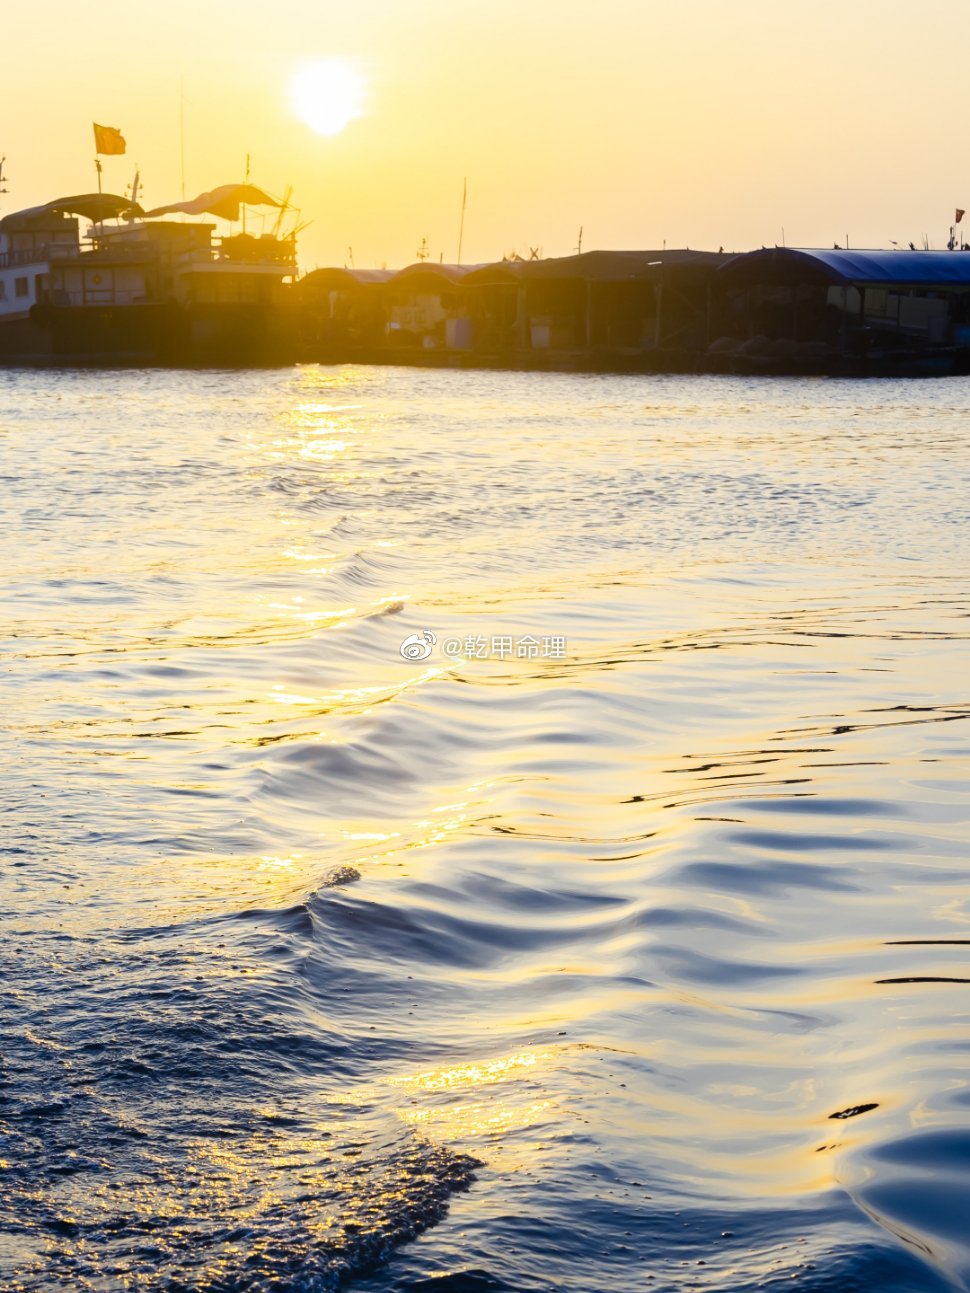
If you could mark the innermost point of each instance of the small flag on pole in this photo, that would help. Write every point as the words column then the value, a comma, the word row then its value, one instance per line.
column 960, row 214
column 107, row 140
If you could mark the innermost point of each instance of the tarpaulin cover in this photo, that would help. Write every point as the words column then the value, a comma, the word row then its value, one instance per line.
column 224, row 201
column 93, row 206
column 916, row 268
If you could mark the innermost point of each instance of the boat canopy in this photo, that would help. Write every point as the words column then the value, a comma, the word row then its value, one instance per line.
column 842, row 266
column 92, row 206
column 224, row 201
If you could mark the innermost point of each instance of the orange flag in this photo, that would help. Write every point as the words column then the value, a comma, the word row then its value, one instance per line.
column 107, row 140
column 960, row 214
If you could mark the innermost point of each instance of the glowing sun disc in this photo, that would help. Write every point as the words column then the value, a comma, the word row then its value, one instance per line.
column 327, row 94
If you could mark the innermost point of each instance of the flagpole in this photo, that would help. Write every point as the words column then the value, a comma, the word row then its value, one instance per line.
column 244, row 204
column 182, row 131
column 461, row 227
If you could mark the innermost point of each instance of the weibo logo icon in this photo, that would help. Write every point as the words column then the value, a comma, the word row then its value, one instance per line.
column 418, row 645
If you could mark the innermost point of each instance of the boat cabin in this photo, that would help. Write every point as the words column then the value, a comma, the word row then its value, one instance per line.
column 133, row 261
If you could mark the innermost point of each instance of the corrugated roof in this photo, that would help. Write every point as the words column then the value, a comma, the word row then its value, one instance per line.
column 838, row 265
column 433, row 269
column 337, row 277
column 617, row 265
column 601, row 266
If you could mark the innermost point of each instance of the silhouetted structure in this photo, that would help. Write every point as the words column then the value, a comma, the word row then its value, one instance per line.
column 342, row 309
column 140, row 290
column 162, row 291
column 774, row 310
column 633, row 309
column 788, row 309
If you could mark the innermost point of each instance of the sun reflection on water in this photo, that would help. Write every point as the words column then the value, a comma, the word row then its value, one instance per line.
column 480, row 1073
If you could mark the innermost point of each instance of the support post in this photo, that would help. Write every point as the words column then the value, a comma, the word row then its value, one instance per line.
column 521, row 319
column 658, row 327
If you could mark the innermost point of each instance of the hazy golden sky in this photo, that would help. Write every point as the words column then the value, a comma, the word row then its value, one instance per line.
column 703, row 123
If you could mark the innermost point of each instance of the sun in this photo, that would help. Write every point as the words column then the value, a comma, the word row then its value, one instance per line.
column 327, row 94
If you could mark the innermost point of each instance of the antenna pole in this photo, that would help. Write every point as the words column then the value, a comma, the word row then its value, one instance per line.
column 461, row 227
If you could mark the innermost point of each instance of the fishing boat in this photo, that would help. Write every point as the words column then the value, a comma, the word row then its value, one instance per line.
column 139, row 288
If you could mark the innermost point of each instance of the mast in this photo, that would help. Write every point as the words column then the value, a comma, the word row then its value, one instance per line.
column 135, row 190
column 461, row 227
column 182, row 131
column 244, row 204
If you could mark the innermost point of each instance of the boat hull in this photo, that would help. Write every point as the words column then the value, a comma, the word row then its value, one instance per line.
column 148, row 334
column 130, row 334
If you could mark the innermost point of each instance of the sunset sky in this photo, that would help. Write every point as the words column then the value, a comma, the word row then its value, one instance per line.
column 640, row 120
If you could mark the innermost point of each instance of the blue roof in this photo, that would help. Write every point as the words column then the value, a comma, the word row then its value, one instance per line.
column 923, row 268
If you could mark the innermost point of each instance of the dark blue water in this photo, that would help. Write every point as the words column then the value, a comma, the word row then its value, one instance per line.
column 619, row 938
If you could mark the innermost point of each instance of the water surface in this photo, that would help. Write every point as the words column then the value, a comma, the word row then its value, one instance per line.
column 625, row 946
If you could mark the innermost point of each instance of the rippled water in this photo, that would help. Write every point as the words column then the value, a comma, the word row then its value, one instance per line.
column 637, row 961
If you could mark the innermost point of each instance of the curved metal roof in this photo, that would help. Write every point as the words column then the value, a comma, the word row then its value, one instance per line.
column 915, row 268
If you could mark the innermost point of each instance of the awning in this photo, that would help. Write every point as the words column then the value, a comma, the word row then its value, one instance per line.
column 224, row 201
column 92, row 206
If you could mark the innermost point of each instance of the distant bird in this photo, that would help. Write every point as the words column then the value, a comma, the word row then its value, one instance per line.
column 912, row 246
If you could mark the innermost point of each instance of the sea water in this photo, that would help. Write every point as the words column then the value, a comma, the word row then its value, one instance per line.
column 613, row 934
